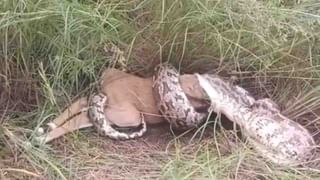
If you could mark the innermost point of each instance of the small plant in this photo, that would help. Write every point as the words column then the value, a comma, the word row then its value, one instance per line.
column 52, row 51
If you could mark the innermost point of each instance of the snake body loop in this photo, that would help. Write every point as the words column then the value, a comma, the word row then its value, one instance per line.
column 171, row 100
column 278, row 138
column 103, row 125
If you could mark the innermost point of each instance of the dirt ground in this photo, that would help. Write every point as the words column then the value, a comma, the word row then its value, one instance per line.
column 96, row 157
column 92, row 157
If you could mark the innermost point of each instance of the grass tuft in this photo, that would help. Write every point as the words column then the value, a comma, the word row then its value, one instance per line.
column 51, row 52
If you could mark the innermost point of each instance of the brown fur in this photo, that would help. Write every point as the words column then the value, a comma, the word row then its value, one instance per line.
column 128, row 95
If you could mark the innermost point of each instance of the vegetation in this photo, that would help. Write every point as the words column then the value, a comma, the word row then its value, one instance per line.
column 51, row 52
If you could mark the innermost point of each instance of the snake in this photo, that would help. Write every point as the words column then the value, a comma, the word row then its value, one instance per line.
column 277, row 137
column 171, row 100
column 104, row 126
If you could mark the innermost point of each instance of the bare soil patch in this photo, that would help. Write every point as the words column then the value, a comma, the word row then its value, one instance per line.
column 19, row 91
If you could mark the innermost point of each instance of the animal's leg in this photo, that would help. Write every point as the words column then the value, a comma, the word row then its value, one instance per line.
column 78, row 122
column 103, row 124
column 74, row 109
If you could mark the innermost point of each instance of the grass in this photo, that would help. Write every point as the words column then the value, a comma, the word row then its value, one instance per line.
column 51, row 52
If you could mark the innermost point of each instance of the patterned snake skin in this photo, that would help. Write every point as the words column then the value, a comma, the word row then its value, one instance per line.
column 170, row 98
column 102, row 124
column 172, row 102
column 97, row 103
column 278, row 138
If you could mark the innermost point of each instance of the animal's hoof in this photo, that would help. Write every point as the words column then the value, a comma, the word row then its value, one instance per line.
column 40, row 131
column 48, row 127
column 51, row 125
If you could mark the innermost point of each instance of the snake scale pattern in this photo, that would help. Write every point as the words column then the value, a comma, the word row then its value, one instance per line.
column 172, row 102
column 103, row 125
column 278, row 138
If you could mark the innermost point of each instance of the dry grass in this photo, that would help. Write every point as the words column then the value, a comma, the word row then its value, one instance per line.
column 51, row 52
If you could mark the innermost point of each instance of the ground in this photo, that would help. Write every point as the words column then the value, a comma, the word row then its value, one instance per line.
column 51, row 52
column 160, row 154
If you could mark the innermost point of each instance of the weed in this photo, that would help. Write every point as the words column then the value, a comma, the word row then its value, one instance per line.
column 51, row 52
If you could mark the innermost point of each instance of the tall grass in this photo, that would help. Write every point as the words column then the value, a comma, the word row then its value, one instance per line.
column 272, row 46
